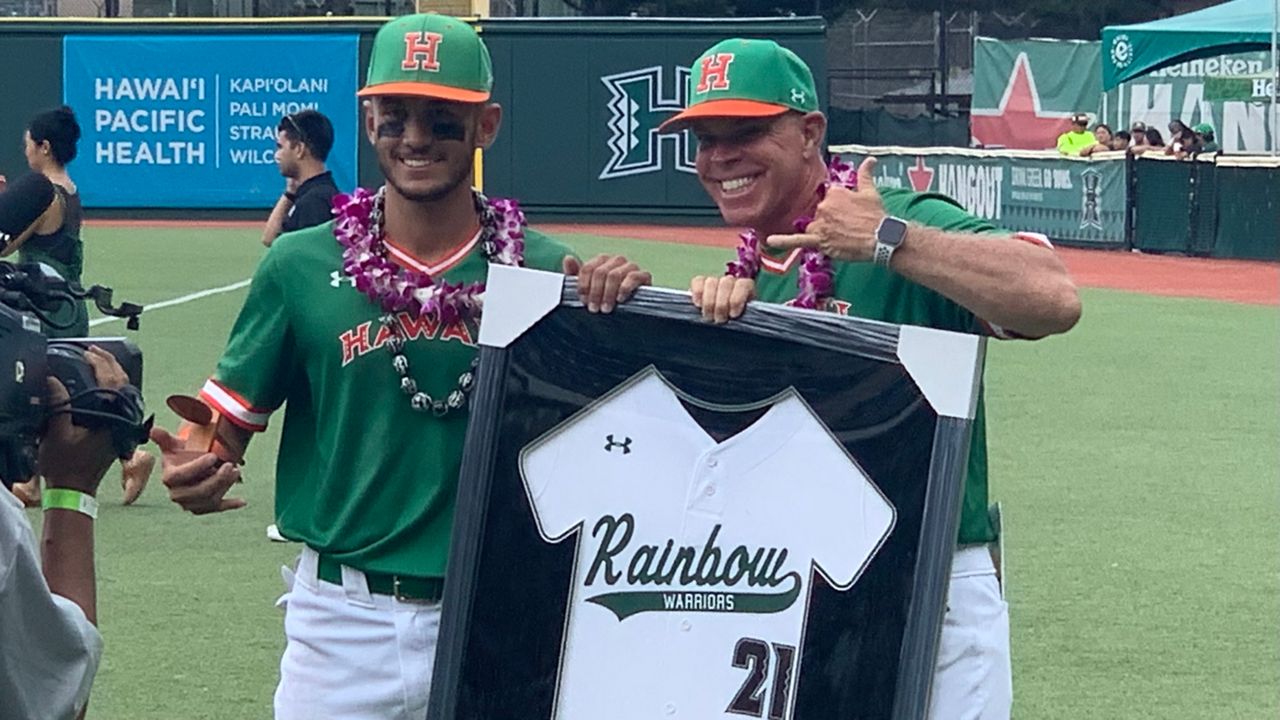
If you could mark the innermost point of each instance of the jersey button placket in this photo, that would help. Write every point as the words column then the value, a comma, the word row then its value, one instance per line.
column 709, row 497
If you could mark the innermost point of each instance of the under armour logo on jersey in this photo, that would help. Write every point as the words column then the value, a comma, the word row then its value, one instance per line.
column 610, row 444
column 336, row 278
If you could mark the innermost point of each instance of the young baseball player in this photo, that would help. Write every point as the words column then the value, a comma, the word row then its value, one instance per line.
column 365, row 328
column 888, row 255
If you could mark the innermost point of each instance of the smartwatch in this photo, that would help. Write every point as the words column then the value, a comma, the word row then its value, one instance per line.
column 889, row 236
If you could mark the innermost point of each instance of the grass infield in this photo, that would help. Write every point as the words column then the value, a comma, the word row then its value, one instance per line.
column 1136, row 459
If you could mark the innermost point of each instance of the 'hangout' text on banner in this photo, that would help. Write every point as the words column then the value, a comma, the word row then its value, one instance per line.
column 1073, row 200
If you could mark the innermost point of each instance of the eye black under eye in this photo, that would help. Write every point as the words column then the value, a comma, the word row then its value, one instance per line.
column 391, row 127
column 448, row 130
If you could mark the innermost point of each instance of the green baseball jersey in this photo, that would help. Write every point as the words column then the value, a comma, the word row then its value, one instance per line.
column 360, row 475
column 868, row 291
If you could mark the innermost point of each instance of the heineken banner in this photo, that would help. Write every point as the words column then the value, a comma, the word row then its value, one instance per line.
column 704, row 524
column 1230, row 92
column 1075, row 201
column 1025, row 91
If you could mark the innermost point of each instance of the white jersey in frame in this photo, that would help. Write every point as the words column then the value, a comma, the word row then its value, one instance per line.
column 694, row 559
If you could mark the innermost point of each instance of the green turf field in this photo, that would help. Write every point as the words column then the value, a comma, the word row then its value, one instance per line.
column 1136, row 459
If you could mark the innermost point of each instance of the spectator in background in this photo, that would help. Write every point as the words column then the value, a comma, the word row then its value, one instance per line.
column 50, row 144
column 1122, row 140
column 1102, row 139
column 1153, row 142
column 1137, row 128
column 1205, row 140
column 1180, row 138
column 303, row 141
column 1078, row 138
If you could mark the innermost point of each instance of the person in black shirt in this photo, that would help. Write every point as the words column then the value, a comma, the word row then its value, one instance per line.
column 303, row 141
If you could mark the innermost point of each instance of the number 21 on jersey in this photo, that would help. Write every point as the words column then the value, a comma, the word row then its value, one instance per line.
column 752, row 699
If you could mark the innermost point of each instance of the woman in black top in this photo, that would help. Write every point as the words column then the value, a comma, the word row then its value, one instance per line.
column 50, row 145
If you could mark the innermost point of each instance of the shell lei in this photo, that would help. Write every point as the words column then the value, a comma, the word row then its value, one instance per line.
column 358, row 228
column 815, row 280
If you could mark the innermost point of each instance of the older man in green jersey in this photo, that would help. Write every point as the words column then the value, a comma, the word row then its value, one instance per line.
column 896, row 256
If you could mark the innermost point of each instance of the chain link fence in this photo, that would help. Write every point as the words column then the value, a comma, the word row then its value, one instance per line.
column 893, row 58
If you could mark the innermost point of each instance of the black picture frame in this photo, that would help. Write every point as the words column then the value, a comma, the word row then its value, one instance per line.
column 497, row 634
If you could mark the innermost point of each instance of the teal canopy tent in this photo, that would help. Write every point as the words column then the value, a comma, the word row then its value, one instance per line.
column 1236, row 26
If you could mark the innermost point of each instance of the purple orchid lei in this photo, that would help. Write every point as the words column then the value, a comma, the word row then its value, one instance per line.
column 815, row 280
column 364, row 257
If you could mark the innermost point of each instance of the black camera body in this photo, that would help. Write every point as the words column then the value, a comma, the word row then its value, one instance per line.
column 27, row 358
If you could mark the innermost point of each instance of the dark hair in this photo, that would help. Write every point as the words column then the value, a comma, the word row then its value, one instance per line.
column 1182, row 127
column 1154, row 137
column 60, row 129
column 23, row 202
column 1123, row 135
column 311, row 128
column 1103, row 125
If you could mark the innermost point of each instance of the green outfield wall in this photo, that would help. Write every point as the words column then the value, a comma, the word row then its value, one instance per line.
column 1219, row 206
column 1072, row 200
column 582, row 100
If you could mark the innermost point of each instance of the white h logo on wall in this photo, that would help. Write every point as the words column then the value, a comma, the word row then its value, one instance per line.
column 638, row 104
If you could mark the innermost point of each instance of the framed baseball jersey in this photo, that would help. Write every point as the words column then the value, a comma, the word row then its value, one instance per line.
column 661, row 518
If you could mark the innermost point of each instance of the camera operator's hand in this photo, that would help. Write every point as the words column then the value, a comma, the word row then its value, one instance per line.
column 197, row 481
column 71, row 456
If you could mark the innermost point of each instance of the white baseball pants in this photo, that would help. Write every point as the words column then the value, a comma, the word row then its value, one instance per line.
column 351, row 655
column 974, row 678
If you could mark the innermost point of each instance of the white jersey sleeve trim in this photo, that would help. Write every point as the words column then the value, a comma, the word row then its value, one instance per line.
column 234, row 407
column 1034, row 238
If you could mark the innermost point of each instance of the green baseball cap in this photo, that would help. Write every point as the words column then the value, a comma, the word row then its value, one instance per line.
column 1203, row 129
column 746, row 78
column 429, row 55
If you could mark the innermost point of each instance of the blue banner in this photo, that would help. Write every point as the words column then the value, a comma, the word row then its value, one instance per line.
column 190, row 121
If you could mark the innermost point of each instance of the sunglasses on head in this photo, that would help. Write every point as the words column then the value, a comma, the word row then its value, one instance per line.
column 297, row 129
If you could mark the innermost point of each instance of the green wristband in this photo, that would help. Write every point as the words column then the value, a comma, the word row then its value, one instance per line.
column 67, row 499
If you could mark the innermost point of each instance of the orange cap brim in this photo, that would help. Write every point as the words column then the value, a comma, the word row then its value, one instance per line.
column 721, row 109
column 431, row 90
